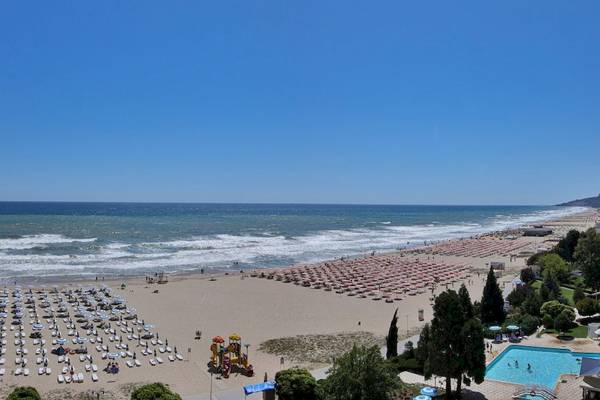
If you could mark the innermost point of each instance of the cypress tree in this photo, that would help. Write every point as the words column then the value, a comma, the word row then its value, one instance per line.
column 492, row 301
column 391, row 340
column 465, row 301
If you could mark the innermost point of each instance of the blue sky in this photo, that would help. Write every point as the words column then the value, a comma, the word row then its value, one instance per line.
column 420, row 102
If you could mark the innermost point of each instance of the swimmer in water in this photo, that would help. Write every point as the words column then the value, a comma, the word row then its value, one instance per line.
column 528, row 367
column 516, row 363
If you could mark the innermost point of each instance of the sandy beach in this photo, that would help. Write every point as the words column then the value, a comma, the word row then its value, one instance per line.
column 264, row 309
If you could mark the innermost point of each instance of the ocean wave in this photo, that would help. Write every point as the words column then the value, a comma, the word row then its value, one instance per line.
column 38, row 241
column 249, row 250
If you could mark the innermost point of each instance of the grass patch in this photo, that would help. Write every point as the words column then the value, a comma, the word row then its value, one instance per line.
column 566, row 292
column 579, row 331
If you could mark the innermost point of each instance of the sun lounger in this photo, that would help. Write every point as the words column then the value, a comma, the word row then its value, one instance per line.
column 159, row 360
column 137, row 363
column 129, row 363
column 48, row 371
column 2, row 361
column 18, row 371
column 153, row 362
column 26, row 371
column 94, row 368
column 2, row 371
column 179, row 357
column 41, row 371
column 80, row 377
column 94, row 378
column 88, row 367
column 171, row 358
column 60, row 378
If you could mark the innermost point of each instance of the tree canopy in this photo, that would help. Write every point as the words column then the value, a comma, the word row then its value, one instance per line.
column 453, row 344
column 296, row 384
column 361, row 374
column 587, row 258
column 492, row 301
column 565, row 248
column 154, row 391
column 553, row 265
column 391, row 340
column 24, row 393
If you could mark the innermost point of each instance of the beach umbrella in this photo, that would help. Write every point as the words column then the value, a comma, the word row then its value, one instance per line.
column 429, row 391
column 512, row 328
column 421, row 397
column 495, row 328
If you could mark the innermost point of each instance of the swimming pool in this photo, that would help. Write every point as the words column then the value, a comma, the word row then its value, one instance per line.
column 547, row 364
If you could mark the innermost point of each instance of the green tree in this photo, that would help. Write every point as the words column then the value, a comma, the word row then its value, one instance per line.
column 391, row 340
column 296, row 384
column 552, row 264
column 518, row 296
column 473, row 354
column 465, row 301
column 587, row 258
column 452, row 346
column 578, row 294
column 550, row 288
column 587, row 306
column 529, row 324
column 532, row 304
column 565, row 248
column 548, row 321
column 553, row 308
column 24, row 393
column 154, row 391
column 492, row 302
column 361, row 374
column 564, row 321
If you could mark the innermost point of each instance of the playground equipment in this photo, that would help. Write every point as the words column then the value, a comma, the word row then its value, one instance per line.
column 229, row 358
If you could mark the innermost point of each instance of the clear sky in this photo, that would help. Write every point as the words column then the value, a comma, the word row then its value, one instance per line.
column 419, row 102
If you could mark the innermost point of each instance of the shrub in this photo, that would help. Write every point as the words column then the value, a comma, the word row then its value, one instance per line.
column 532, row 304
column 529, row 324
column 578, row 294
column 547, row 321
column 587, row 306
column 24, row 393
column 564, row 321
column 518, row 296
column 553, row 308
column 154, row 391
column 296, row 384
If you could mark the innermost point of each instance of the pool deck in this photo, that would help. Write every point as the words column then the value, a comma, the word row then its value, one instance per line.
column 495, row 390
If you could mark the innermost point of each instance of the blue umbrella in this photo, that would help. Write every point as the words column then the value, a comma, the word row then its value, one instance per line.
column 495, row 328
column 422, row 397
column 429, row 391
column 512, row 328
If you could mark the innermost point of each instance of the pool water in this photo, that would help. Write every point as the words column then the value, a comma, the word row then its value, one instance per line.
column 547, row 365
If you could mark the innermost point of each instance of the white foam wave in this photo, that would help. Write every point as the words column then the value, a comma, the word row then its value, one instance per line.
column 223, row 250
column 32, row 241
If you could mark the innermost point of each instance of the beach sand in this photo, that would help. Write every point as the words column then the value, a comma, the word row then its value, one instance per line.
column 258, row 310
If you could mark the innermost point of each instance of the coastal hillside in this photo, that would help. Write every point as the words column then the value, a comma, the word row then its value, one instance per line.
column 587, row 202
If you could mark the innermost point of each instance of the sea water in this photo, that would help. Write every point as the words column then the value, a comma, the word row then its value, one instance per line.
column 54, row 239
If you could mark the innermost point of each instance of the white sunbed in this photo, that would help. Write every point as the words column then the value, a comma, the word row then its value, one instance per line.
column 179, row 357
column 48, row 371
column 26, row 371
column 94, row 368
column 18, row 371
column 129, row 363
column 153, row 362
column 41, row 371
column 80, row 377
column 67, row 379
column 94, row 378
column 171, row 358
column 2, row 361
column 60, row 378
column 159, row 360
column 2, row 371
column 137, row 363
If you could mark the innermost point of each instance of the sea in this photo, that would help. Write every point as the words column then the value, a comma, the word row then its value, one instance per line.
column 60, row 239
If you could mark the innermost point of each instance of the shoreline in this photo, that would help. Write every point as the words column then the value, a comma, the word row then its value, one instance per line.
column 223, row 271
column 219, row 304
